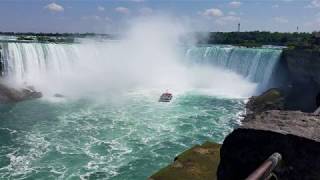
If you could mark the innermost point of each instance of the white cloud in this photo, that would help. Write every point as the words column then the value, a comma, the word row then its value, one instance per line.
column 108, row 19
column 275, row 6
column 212, row 12
column 314, row 24
column 235, row 4
column 94, row 17
column 281, row 20
column 145, row 11
column 122, row 10
column 53, row 7
column 308, row 6
column 315, row 3
column 100, row 8
column 227, row 19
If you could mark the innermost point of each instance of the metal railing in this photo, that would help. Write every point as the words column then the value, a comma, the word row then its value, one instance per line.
column 265, row 170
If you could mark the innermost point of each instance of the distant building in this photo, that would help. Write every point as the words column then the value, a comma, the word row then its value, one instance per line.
column 238, row 27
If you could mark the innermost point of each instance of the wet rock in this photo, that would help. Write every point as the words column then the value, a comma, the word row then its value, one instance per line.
column 9, row 95
column 272, row 99
column 295, row 135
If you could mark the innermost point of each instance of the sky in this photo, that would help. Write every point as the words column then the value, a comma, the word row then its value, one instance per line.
column 113, row 16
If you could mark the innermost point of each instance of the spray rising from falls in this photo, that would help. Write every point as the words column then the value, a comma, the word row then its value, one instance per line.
column 149, row 57
column 120, row 65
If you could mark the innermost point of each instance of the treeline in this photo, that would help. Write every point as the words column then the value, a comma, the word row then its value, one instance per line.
column 54, row 34
column 54, row 37
column 249, row 39
column 258, row 38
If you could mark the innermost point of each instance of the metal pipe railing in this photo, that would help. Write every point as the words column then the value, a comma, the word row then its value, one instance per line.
column 264, row 171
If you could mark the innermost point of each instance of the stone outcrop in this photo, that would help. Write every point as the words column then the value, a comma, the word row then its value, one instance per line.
column 198, row 163
column 272, row 99
column 295, row 135
column 9, row 95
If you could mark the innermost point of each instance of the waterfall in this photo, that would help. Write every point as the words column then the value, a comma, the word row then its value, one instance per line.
column 118, row 64
column 255, row 64
column 26, row 61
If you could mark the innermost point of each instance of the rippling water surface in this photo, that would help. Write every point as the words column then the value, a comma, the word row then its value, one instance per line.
column 128, row 137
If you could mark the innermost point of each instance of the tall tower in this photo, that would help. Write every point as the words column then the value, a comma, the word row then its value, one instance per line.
column 297, row 29
column 238, row 27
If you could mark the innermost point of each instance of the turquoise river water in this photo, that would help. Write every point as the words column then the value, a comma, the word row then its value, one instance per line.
column 127, row 139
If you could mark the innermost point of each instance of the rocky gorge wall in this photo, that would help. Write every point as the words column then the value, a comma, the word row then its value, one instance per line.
column 303, row 65
column 298, row 77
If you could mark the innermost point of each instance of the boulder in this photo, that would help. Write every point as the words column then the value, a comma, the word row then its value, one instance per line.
column 295, row 135
column 9, row 95
column 272, row 99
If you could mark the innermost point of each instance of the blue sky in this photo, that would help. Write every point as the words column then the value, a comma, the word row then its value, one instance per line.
column 109, row 16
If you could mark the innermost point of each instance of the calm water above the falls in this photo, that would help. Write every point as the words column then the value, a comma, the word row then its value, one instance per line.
column 128, row 137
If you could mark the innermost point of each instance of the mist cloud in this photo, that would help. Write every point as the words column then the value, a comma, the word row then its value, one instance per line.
column 53, row 7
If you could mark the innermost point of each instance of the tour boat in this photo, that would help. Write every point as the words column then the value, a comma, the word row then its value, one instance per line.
column 165, row 97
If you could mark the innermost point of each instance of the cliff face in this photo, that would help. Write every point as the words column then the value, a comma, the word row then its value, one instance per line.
column 302, row 85
column 295, row 135
column 303, row 65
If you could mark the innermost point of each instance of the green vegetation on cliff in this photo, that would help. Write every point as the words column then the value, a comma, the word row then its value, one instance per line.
column 198, row 163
